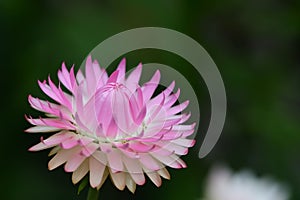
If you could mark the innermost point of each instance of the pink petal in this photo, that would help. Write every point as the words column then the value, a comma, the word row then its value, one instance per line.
column 156, row 100
column 89, row 73
column 97, row 70
column 121, row 112
column 149, row 87
column 181, row 162
column 138, row 109
column 170, row 122
column 59, row 95
column 154, row 110
column 67, row 79
column 79, row 77
column 50, row 108
column 173, row 148
column 176, row 109
column 161, row 151
column 53, row 140
column 40, row 146
column 112, row 129
column 184, row 127
column 121, row 68
column 48, row 91
column 83, row 141
column 89, row 149
column 167, row 160
column 57, row 123
column 100, row 74
column 172, row 135
column 113, row 77
column 129, row 153
column 184, row 142
column 134, row 77
column 69, row 143
column 93, row 75
column 103, row 79
column 141, row 147
column 172, row 99
column 104, row 107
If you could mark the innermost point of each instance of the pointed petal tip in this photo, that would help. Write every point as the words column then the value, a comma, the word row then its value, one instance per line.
column 89, row 58
column 63, row 66
column 93, row 185
column 67, row 169
column 193, row 142
column 140, row 65
column 27, row 117
column 28, row 130
column 50, row 167
column 173, row 83
column 40, row 83
column 132, row 191
column 157, row 74
column 31, row 149
column 113, row 77
column 123, row 61
column 193, row 125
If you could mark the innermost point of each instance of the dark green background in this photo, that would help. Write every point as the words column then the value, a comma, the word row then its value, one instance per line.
column 255, row 44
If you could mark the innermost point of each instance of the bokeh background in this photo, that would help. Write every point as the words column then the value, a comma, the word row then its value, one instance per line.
column 255, row 44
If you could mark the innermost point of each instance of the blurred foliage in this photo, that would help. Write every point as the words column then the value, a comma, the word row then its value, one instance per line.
column 256, row 45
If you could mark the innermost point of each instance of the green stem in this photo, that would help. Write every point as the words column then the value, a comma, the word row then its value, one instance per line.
column 93, row 194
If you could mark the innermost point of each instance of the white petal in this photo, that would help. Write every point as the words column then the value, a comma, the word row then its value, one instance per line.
column 96, row 171
column 155, row 178
column 164, row 173
column 105, row 174
column 135, row 170
column 130, row 183
column 61, row 157
column 54, row 151
column 42, row 129
column 115, row 160
column 118, row 179
column 80, row 172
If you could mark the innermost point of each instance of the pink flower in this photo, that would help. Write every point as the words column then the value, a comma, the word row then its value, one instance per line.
column 112, row 126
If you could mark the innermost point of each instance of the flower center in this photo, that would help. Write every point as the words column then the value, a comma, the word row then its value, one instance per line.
column 122, row 138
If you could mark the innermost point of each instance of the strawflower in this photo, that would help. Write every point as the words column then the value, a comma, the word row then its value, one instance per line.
column 111, row 126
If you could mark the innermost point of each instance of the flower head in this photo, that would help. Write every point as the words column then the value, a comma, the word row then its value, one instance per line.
column 111, row 126
column 224, row 185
